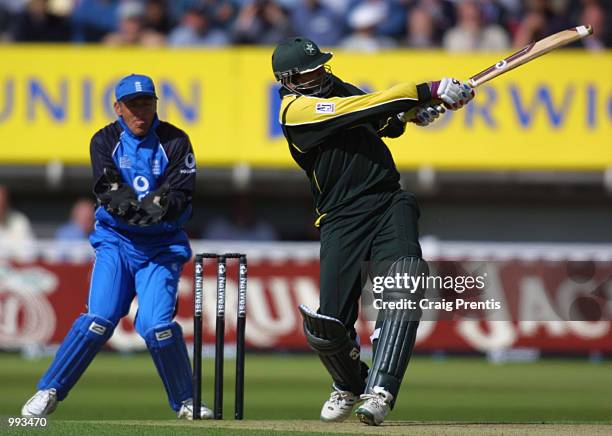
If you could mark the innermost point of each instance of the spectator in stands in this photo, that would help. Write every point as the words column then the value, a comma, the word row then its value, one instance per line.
column 195, row 29
column 9, row 11
column 37, row 24
column 493, row 12
column 421, row 29
column 132, row 29
column 595, row 15
column 543, row 18
column 15, row 227
column 317, row 21
column 63, row 8
column 243, row 226
column 512, row 15
column 442, row 13
column 261, row 22
column 340, row 7
column 511, row 6
column 223, row 14
column 13, row 7
column 394, row 25
column 93, row 19
column 157, row 17
column 363, row 20
column 81, row 222
column 480, row 25
column 177, row 8
column 472, row 34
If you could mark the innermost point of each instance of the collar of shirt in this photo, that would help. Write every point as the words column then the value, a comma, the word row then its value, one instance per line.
column 139, row 139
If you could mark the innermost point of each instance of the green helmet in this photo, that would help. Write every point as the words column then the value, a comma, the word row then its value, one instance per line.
column 300, row 55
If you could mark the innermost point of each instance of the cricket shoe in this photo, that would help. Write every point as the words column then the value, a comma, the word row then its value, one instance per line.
column 339, row 406
column 186, row 411
column 376, row 406
column 42, row 403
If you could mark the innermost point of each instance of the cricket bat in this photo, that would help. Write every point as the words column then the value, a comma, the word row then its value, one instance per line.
column 530, row 52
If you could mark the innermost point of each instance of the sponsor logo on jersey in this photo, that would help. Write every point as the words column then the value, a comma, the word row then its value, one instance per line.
column 190, row 163
column 325, row 108
column 141, row 186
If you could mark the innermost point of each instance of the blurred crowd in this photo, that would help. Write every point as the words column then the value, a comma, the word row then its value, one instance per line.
column 241, row 223
column 364, row 25
column 16, row 228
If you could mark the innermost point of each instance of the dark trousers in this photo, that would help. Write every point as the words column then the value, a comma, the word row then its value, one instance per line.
column 350, row 246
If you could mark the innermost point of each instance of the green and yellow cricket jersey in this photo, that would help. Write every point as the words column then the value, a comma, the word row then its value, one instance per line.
column 337, row 142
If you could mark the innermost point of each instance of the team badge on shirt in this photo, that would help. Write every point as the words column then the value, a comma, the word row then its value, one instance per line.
column 156, row 167
column 124, row 162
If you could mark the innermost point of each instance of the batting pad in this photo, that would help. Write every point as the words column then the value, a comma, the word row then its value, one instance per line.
column 337, row 351
column 398, row 331
column 167, row 347
column 87, row 335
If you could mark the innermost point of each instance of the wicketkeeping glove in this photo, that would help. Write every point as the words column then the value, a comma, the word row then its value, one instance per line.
column 116, row 197
column 454, row 94
column 424, row 115
column 152, row 207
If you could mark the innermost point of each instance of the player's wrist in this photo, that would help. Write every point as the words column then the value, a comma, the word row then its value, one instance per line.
column 434, row 87
column 424, row 92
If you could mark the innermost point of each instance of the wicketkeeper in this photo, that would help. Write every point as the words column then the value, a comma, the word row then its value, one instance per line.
column 334, row 131
column 144, row 174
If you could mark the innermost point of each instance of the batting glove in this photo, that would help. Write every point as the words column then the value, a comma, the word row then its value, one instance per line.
column 454, row 94
column 424, row 115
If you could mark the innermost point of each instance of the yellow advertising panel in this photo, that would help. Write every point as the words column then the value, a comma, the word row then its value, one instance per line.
column 553, row 113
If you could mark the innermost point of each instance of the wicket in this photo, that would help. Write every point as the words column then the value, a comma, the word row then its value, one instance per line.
column 219, row 332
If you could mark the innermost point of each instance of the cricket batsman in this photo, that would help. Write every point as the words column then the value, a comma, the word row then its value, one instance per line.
column 334, row 133
column 144, row 174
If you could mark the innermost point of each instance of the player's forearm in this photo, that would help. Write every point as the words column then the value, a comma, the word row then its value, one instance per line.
column 309, row 120
column 296, row 111
column 393, row 126
column 178, row 202
column 101, row 161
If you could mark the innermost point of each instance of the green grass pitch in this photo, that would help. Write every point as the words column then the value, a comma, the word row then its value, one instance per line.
column 123, row 395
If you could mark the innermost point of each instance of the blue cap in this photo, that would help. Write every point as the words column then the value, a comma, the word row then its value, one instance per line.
column 134, row 85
